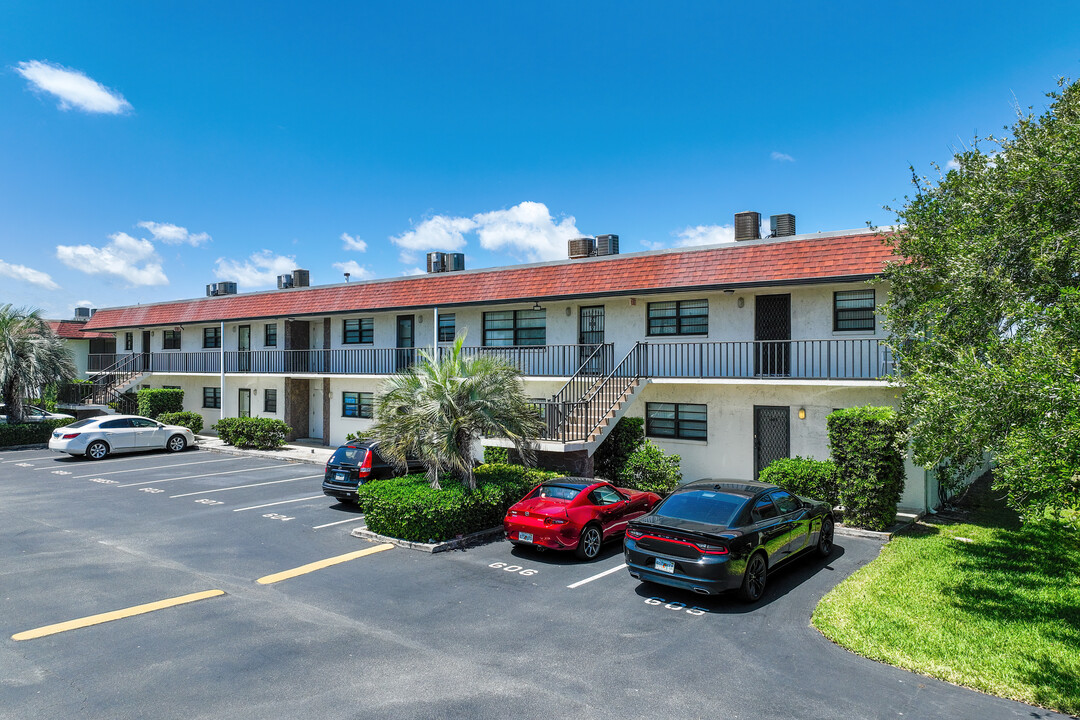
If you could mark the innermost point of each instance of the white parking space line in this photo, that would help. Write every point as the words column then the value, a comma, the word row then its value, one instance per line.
column 43, row 457
column 192, row 477
column 597, row 576
column 283, row 502
column 340, row 522
column 156, row 467
column 238, row 487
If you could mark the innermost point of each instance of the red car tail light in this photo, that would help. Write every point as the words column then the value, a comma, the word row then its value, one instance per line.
column 703, row 548
column 634, row 533
column 713, row 549
column 365, row 467
column 554, row 521
column 70, row 436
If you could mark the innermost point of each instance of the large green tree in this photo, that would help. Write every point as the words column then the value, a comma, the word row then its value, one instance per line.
column 438, row 408
column 31, row 357
column 984, row 309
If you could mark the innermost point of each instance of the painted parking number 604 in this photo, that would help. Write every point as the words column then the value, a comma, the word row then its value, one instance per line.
column 527, row 572
column 676, row 605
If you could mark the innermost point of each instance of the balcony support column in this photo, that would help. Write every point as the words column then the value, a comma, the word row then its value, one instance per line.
column 221, row 360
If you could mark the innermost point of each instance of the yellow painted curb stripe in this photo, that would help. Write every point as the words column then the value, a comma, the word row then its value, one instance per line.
column 114, row 615
column 312, row 567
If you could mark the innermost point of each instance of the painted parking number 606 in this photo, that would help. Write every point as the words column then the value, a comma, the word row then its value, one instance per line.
column 676, row 605
column 527, row 572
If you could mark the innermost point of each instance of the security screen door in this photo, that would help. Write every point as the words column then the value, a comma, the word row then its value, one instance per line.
column 772, row 435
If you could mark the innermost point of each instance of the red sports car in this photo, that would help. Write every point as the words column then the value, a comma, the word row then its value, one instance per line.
column 573, row 513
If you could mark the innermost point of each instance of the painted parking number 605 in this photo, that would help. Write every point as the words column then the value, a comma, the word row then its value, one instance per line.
column 676, row 605
column 527, row 572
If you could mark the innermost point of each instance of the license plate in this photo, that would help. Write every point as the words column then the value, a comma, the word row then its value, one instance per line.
column 665, row 565
column 525, row 537
column 340, row 477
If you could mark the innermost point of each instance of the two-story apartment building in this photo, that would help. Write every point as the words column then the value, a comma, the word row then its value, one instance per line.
column 734, row 354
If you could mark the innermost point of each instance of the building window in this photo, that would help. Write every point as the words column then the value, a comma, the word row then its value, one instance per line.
column 679, row 317
column 171, row 387
column 211, row 337
column 515, row 327
column 129, row 341
column 676, row 420
column 357, row 404
column 447, row 327
column 170, row 340
column 853, row 310
column 270, row 400
column 356, row 332
column 211, row 397
column 270, row 335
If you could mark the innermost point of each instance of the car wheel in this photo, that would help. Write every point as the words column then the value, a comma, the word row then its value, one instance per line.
column 589, row 544
column 825, row 537
column 176, row 443
column 97, row 450
column 753, row 584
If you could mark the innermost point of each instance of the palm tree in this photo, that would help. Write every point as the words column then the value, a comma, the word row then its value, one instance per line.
column 437, row 409
column 31, row 357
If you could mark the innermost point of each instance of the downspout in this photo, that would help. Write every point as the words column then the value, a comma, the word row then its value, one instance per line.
column 221, row 350
column 435, row 337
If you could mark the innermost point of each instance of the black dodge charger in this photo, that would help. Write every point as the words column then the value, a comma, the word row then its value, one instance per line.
column 710, row 536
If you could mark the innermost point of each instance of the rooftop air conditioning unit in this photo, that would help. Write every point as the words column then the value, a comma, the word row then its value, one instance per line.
column 607, row 244
column 436, row 262
column 301, row 278
column 454, row 262
column 782, row 225
column 82, row 314
column 581, row 247
column 220, row 288
column 747, row 225
column 284, row 282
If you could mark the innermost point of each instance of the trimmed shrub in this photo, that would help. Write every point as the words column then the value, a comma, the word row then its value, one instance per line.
column 626, row 437
column 154, row 402
column 807, row 477
column 259, row 433
column 867, row 444
column 29, row 433
column 499, row 455
column 649, row 468
column 408, row 507
column 191, row 420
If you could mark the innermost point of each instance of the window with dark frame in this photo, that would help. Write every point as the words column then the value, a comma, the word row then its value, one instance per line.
column 515, row 327
column 447, row 327
column 211, row 337
column 358, row 332
column 357, row 404
column 270, row 400
column 270, row 335
column 129, row 341
column 678, row 317
column 853, row 310
column 170, row 340
column 676, row 420
column 211, row 397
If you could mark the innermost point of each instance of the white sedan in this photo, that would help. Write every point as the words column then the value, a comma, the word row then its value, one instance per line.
column 32, row 414
column 96, row 437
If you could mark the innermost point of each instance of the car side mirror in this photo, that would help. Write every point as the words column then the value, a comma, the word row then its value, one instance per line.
column 161, row 426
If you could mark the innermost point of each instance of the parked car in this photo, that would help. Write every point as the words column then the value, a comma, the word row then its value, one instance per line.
column 710, row 536
column 97, row 437
column 32, row 414
column 354, row 464
column 573, row 513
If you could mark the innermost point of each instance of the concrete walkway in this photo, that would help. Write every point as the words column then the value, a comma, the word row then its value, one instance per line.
column 292, row 453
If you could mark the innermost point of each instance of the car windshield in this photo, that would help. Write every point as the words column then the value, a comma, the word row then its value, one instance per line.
column 348, row 455
column 83, row 423
column 556, row 492
column 703, row 506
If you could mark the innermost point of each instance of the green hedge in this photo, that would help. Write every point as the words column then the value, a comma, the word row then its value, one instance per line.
column 154, row 402
column 496, row 455
column 29, row 433
column 649, row 468
column 807, row 477
column 259, row 433
column 867, row 445
column 611, row 457
column 191, row 420
column 408, row 507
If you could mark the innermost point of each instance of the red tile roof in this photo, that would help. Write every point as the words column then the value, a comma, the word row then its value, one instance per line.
column 73, row 330
column 761, row 263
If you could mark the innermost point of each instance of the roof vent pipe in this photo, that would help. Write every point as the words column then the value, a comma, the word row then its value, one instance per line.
column 747, row 225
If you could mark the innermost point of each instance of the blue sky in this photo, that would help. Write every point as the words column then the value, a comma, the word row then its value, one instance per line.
column 150, row 148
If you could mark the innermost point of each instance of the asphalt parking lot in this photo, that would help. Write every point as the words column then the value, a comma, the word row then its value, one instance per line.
column 277, row 611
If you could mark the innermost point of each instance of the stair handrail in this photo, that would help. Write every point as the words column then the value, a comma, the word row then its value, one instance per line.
column 608, row 392
column 580, row 374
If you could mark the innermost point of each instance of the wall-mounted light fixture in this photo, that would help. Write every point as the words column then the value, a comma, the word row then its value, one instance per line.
column 536, row 305
column 729, row 291
column 741, row 302
column 254, row 391
column 802, row 413
column 568, row 312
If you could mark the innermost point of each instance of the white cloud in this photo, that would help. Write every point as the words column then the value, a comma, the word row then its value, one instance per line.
column 953, row 164
column 414, row 271
column 132, row 259
column 782, row 157
column 440, row 232
column 350, row 242
column 74, row 88
column 174, row 234
column 85, row 303
column 355, row 270
column 259, row 270
column 705, row 235
column 27, row 274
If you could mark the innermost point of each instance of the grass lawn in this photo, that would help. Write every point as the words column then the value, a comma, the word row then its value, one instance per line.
column 972, row 598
